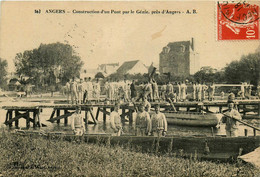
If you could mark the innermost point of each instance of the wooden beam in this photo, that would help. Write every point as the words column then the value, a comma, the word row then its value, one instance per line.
column 16, row 118
column 105, row 111
column 66, row 118
column 58, row 115
column 53, row 113
column 91, row 113
column 61, row 117
column 97, row 114
column 27, row 117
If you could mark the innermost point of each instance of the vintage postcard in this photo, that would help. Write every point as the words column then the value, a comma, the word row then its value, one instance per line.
column 113, row 88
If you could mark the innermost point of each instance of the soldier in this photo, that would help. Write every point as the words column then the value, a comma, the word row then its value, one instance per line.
column 211, row 91
column 80, row 91
column 148, row 91
column 133, row 90
column 77, row 122
column 115, row 121
column 230, row 118
column 198, row 91
column 204, row 89
column 90, row 88
column 155, row 90
column 74, row 91
column 159, row 123
column 85, row 89
column 96, row 91
column 163, row 91
column 125, row 90
column 183, row 88
column 193, row 91
column 143, row 122
column 67, row 90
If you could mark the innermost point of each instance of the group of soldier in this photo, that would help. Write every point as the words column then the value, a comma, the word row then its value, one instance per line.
column 145, row 123
column 114, row 90
column 80, row 92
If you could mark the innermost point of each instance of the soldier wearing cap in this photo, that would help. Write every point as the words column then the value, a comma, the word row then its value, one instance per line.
column 159, row 123
column 230, row 118
column 115, row 121
column 77, row 122
column 143, row 122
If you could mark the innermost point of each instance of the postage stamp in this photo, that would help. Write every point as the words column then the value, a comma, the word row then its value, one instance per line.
column 237, row 21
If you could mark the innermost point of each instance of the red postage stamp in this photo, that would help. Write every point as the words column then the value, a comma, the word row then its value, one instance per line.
column 237, row 21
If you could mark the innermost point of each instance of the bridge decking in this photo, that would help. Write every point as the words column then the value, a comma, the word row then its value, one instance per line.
column 24, row 109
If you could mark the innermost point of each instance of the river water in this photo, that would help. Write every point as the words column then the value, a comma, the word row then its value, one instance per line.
column 102, row 128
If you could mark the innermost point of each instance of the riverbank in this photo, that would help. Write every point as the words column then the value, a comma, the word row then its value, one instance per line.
column 25, row 156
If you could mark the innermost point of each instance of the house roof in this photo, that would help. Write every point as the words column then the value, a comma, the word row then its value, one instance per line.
column 126, row 66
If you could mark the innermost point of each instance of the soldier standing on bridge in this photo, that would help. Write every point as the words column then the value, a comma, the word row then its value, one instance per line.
column 74, row 91
column 77, row 122
column 230, row 119
column 211, row 92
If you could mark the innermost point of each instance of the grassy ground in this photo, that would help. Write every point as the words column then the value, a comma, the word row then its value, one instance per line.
column 25, row 156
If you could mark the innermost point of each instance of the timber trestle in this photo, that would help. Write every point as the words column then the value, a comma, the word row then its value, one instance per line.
column 92, row 111
column 30, row 114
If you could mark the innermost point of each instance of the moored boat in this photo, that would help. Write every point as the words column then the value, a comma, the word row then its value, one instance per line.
column 193, row 118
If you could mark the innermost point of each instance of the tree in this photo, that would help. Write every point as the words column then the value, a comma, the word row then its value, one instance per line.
column 49, row 63
column 247, row 69
column 208, row 74
column 3, row 73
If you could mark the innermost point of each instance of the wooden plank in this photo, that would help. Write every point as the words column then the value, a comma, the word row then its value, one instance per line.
column 17, row 121
column 27, row 117
column 124, row 114
column 10, row 117
column 16, row 118
column 130, row 113
column 61, row 117
column 105, row 111
column 66, row 118
column 97, row 114
column 91, row 113
column 249, row 125
column 7, row 116
column 58, row 114
column 53, row 113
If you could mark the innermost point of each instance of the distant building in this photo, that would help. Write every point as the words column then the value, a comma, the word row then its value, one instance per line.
column 179, row 59
column 86, row 73
column 132, row 67
column 108, row 68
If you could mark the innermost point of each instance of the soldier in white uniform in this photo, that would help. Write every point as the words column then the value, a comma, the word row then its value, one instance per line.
column 159, row 123
column 74, row 91
column 96, row 91
column 143, row 122
column 80, row 91
column 230, row 120
column 77, row 123
column 115, row 121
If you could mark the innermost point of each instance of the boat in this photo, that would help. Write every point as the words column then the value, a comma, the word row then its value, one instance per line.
column 193, row 118
column 196, row 147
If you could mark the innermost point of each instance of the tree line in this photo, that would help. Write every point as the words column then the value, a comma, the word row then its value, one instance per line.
column 54, row 64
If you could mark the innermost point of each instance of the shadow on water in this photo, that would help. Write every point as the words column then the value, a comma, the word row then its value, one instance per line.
column 103, row 128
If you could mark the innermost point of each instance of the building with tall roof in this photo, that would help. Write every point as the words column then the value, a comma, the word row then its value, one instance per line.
column 108, row 68
column 179, row 59
column 132, row 67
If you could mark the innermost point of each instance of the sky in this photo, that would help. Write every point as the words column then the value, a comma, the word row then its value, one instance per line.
column 107, row 38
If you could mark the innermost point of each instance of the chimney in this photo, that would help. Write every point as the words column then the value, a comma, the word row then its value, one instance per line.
column 192, row 43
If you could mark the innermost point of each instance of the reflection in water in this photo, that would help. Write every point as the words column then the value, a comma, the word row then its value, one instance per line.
column 102, row 128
